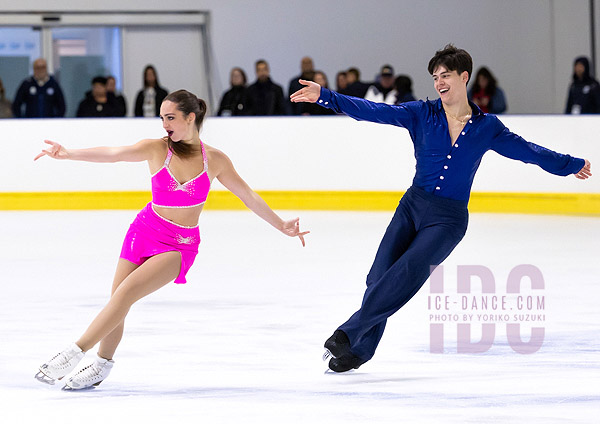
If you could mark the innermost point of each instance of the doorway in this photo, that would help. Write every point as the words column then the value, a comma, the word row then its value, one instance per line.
column 79, row 46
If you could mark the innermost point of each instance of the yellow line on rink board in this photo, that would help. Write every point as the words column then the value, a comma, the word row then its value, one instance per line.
column 530, row 203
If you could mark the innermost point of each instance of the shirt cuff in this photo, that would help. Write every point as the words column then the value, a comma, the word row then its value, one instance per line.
column 576, row 164
column 325, row 98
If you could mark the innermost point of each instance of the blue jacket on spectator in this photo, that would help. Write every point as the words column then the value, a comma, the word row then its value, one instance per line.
column 46, row 101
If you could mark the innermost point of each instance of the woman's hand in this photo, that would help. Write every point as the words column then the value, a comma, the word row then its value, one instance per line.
column 585, row 172
column 292, row 228
column 56, row 151
column 309, row 94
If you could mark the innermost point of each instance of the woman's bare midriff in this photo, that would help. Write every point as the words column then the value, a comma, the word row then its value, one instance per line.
column 188, row 217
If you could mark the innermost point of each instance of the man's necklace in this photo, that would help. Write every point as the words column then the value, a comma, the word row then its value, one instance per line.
column 462, row 121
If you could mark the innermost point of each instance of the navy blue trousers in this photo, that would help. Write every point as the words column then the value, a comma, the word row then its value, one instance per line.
column 424, row 230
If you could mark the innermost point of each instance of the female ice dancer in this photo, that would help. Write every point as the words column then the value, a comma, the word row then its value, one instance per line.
column 450, row 136
column 163, row 240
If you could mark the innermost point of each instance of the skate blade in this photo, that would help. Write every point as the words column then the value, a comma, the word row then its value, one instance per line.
column 327, row 355
column 68, row 388
column 40, row 376
column 329, row 371
column 83, row 389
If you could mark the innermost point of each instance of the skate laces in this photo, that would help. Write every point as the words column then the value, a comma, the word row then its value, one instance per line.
column 87, row 373
column 61, row 359
column 90, row 371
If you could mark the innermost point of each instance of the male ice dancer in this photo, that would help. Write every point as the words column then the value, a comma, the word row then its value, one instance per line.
column 450, row 136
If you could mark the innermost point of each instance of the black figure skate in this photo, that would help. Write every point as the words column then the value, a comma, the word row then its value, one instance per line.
column 337, row 350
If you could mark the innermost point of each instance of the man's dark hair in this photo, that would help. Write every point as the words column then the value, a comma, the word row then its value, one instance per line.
column 453, row 59
column 354, row 71
column 403, row 84
column 260, row 62
column 99, row 80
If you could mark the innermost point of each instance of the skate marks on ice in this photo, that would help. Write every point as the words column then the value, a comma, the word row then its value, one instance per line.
column 244, row 340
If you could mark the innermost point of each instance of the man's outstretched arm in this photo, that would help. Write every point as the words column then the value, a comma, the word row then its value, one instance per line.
column 354, row 107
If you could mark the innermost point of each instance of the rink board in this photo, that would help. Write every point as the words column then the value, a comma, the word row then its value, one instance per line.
column 314, row 163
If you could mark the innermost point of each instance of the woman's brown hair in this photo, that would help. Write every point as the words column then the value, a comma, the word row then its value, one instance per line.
column 186, row 103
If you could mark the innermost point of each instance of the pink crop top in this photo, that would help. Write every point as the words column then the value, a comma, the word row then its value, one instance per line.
column 167, row 192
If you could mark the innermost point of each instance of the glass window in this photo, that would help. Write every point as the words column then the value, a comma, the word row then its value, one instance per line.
column 81, row 53
column 19, row 47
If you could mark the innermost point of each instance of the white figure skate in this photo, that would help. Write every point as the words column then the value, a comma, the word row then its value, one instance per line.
column 60, row 365
column 90, row 375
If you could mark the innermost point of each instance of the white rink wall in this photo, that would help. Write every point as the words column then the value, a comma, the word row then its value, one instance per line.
column 287, row 153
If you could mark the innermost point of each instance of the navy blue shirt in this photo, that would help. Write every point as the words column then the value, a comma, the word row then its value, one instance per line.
column 46, row 101
column 443, row 169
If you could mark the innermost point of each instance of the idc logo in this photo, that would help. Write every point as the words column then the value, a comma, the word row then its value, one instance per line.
column 520, row 309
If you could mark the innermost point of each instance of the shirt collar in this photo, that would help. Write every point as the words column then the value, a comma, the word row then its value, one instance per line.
column 476, row 111
column 41, row 82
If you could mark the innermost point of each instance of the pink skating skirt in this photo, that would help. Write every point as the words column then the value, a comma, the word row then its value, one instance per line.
column 150, row 234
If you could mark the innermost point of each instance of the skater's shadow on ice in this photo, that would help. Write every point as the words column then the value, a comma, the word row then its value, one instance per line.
column 365, row 378
column 116, row 391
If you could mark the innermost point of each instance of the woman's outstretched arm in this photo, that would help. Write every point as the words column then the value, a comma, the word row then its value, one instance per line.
column 138, row 152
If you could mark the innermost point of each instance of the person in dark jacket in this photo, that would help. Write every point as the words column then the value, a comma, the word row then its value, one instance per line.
column 98, row 103
column 341, row 82
column 307, row 72
column 383, row 89
column 40, row 94
column 235, row 101
column 111, row 89
column 312, row 108
column 403, row 86
column 584, row 93
column 355, row 87
column 265, row 95
column 148, row 100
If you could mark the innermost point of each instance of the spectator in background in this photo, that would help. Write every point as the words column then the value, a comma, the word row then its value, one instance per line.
column 265, row 95
column 312, row 108
column 355, row 86
column 584, row 93
column 403, row 86
column 307, row 73
column 5, row 106
column 486, row 94
column 235, row 101
column 341, row 82
column 111, row 89
column 98, row 103
column 148, row 100
column 40, row 94
column 383, row 90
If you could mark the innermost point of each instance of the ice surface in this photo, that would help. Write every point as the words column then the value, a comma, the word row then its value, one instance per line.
column 242, row 341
